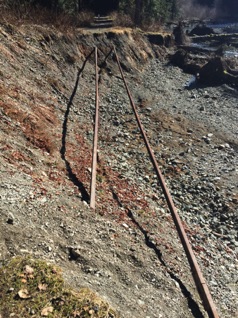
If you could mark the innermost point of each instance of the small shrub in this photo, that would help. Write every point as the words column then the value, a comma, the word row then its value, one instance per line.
column 84, row 18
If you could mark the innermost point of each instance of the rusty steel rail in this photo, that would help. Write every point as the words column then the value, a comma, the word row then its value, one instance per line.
column 197, row 274
column 96, row 126
column 95, row 139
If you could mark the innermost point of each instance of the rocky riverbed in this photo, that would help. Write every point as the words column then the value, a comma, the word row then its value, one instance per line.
column 127, row 250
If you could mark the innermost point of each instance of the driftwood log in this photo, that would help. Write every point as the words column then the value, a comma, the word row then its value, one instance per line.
column 187, row 62
column 201, row 29
column 215, row 71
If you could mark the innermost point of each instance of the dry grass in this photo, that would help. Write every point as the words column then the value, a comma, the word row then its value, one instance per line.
column 123, row 20
column 7, row 53
column 33, row 288
column 152, row 27
column 84, row 18
column 62, row 21
column 35, row 126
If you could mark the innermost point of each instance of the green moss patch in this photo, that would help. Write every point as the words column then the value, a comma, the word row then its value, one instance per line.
column 33, row 288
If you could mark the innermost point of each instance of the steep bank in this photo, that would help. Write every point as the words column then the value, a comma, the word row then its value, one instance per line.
column 46, row 150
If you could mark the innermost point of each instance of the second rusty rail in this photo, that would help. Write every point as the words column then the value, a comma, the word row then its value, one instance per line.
column 197, row 274
column 95, row 139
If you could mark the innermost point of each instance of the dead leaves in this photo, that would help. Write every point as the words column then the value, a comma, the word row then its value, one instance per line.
column 28, row 270
column 27, row 274
column 46, row 311
column 23, row 280
column 23, row 294
column 42, row 287
column 38, row 289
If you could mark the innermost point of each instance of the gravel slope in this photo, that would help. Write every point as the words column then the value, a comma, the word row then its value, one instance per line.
column 128, row 249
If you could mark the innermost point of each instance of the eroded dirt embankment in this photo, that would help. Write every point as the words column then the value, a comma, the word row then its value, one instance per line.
column 120, row 250
column 39, row 64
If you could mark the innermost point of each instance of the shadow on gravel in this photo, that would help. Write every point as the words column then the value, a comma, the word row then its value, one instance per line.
column 191, row 302
column 72, row 176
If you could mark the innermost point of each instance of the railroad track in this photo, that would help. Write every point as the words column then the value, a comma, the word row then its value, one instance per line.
column 200, row 282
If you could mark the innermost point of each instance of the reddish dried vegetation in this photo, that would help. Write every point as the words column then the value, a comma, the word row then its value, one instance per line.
column 36, row 122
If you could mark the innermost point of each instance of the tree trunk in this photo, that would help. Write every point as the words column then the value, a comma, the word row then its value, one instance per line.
column 174, row 9
column 55, row 5
column 80, row 5
column 138, row 11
